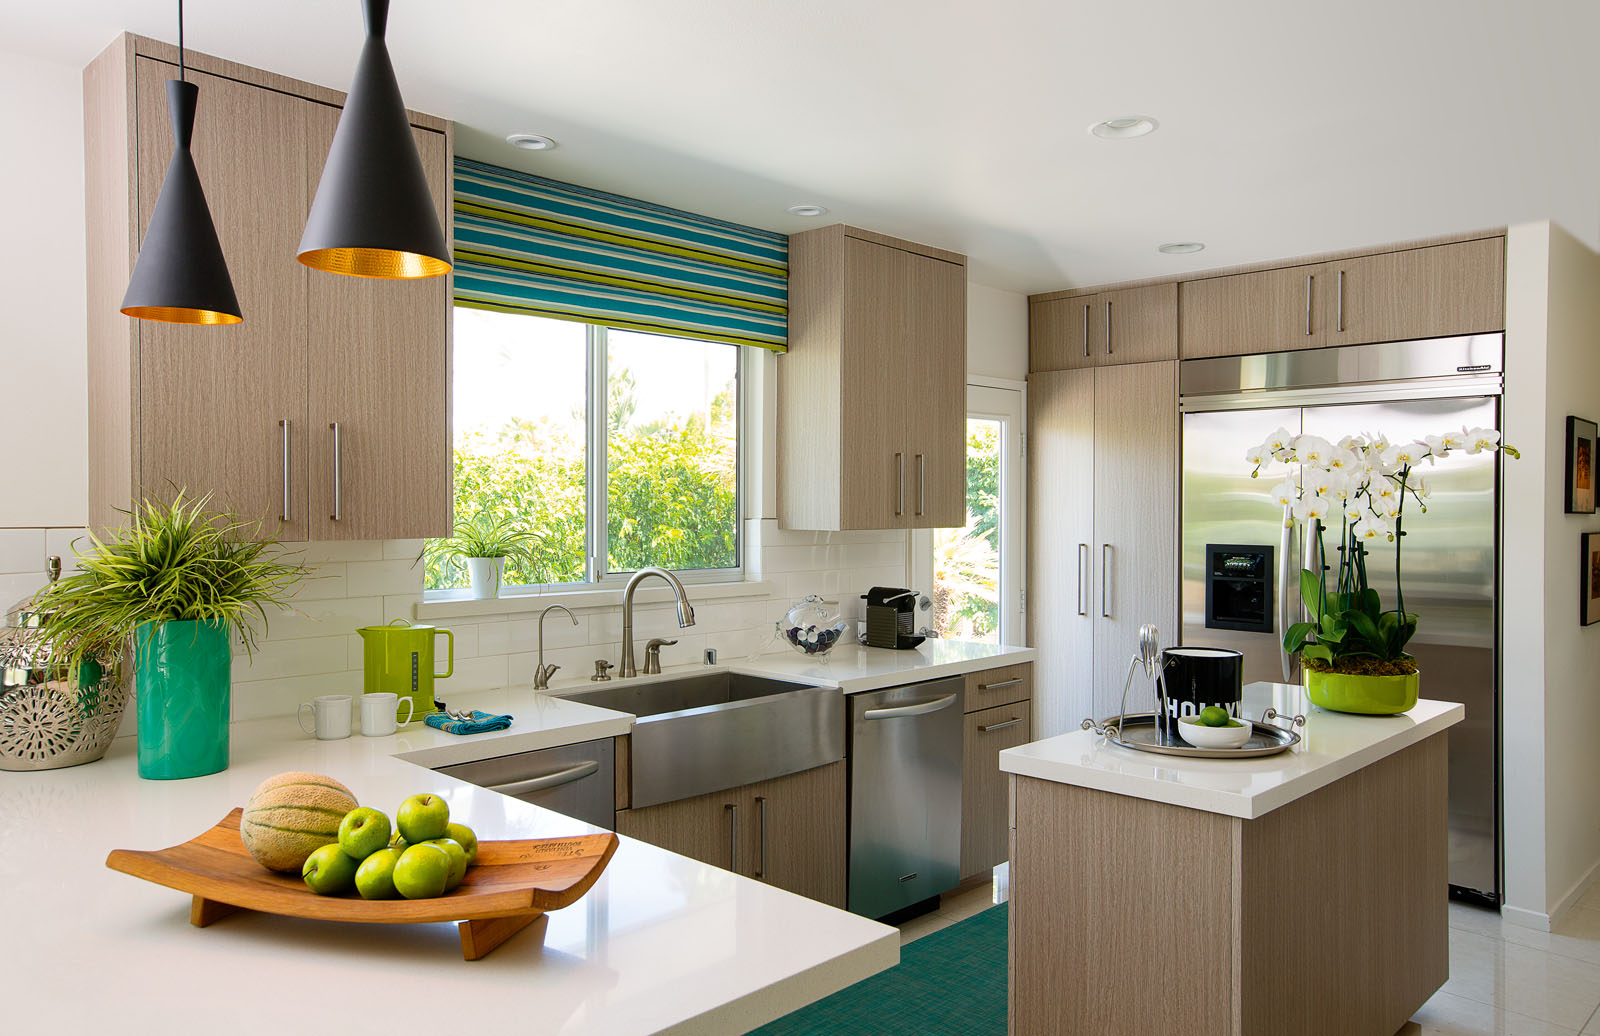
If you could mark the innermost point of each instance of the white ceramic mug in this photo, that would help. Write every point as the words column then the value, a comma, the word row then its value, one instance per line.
column 330, row 716
column 378, row 713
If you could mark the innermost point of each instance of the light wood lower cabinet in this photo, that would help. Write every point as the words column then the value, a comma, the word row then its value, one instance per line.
column 788, row 832
column 985, row 835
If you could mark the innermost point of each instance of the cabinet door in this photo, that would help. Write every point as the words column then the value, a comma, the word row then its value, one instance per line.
column 708, row 828
column 1271, row 311
column 213, row 401
column 1430, row 292
column 985, row 841
column 797, row 833
column 1059, row 333
column 1139, row 324
column 1135, row 519
column 876, row 480
column 380, row 370
column 936, row 376
column 1060, row 545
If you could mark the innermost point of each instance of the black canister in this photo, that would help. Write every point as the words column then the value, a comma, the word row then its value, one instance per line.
column 1196, row 677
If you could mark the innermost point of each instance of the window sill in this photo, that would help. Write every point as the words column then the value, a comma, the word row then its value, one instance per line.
column 532, row 604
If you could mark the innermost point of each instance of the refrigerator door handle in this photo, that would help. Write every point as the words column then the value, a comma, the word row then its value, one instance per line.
column 1285, row 542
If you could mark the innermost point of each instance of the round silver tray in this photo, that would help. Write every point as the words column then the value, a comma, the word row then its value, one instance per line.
column 1138, row 731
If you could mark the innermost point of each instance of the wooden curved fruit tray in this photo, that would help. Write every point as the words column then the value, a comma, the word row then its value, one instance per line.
column 510, row 886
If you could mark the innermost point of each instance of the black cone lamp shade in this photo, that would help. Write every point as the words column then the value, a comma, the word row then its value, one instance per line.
column 180, row 276
column 373, row 215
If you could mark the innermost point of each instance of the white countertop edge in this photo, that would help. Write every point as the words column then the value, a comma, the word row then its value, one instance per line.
column 469, row 748
column 878, row 671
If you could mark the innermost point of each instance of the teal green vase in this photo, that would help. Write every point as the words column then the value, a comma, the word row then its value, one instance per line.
column 183, row 690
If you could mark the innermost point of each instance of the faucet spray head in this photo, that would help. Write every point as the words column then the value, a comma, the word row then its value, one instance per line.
column 685, row 614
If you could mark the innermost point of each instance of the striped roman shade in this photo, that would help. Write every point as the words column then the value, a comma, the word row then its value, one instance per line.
column 525, row 244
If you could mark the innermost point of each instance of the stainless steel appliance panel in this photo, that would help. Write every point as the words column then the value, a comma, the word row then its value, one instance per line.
column 905, row 795
column 576, row 780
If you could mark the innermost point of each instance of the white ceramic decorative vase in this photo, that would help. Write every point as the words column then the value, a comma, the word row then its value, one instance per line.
column 485, row 575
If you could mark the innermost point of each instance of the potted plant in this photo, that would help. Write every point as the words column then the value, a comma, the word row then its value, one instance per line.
column 172, row 585
column 1352, row 650
column 485, row 544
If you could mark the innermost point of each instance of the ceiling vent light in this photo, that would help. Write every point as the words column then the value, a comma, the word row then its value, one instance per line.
column 806, row 210
column 1124, row 127
column 531, row 141
column 1182, row 247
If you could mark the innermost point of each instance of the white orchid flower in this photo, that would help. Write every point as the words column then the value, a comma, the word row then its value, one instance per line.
column 1354, row 510
column 1256, row 456
column 1480, row 439
column 1318, row 483
column 1311, row 509
column 1313, row 449
column 1370, row 528
column 1418, row 485
column 1280, row 444
column 1285, row 493
column 1353, row 443
column 1342, row 460
column 1385, row 493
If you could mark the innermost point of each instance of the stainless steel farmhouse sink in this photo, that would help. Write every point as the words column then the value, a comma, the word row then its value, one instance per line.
column 703, row 733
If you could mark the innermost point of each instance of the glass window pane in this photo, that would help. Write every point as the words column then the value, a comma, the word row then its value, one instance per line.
column 519, row 405
column 671, row 452
column 966, row 562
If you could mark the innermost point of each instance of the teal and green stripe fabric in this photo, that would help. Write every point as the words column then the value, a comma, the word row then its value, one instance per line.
column 527, row 244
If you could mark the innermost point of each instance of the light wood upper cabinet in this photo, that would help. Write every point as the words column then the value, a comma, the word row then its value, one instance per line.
column 871, row 395
column 1127, row 325
column 1059, row 333
column 1453, row 289
column 1270, row 311
column 380, row 371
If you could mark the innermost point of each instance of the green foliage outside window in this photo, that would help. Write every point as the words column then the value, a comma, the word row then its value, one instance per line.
column 966, row 561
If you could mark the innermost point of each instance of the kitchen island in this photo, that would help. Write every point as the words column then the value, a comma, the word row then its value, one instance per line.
column 1299, row 893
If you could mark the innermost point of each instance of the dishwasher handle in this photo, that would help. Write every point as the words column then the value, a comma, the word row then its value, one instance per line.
column 549, row 780
column 921, row 708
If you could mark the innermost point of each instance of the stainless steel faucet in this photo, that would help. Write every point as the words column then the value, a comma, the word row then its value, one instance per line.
column 685, row 611
column 542, row 672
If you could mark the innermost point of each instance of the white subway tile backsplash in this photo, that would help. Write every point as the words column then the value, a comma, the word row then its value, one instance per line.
column 324, row 618
column 342, row 550
column 410, row 550
column 324, row 582
column 382, row 578
column 288, row 657
column 22, row 552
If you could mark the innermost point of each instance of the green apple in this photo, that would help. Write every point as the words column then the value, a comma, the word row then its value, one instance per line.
column 466, row 838
column 422, row 871
column 397, row 842
column 458, row 860
column 422, row 817
column 362, row 832
column 329, row 871
column 375, row 876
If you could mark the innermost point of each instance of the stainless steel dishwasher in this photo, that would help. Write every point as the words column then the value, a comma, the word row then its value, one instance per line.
column 905, row 795
column 577, row 780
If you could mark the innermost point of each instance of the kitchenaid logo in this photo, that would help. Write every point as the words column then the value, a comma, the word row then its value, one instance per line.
column 1474, row 368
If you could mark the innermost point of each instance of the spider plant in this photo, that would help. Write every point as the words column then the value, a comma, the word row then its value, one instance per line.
column 485, row 537
column 171, row 562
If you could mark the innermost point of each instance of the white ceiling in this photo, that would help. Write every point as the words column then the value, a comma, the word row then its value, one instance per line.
column 1286, row 127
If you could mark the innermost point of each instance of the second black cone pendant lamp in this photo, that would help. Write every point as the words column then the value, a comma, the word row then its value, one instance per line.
column 373, row 215
column 180, row 276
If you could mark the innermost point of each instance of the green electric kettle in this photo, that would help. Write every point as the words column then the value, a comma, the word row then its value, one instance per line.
column 398, row 658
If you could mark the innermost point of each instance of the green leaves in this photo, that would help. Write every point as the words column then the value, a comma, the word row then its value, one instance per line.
column 1350, row 625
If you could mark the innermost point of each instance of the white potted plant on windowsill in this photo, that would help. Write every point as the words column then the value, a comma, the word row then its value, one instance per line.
column 485, row 545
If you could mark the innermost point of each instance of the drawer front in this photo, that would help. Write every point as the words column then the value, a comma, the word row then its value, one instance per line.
column 576, row 780
column 990, row 687
column 985, row 830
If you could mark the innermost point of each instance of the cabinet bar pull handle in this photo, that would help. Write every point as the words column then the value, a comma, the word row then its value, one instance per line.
column 1309, row 278
column 1105, row 580
column 761, row 804
column 1340, row 326
column 1108, row 328
column 922, row 483
column 1086, row 330
column 336, row 508
column 284, row 424
column 921, row 708
column 1083, row 578
column 900, row 467
column 733, row 837
column 1000, row 684
column 1001, row 726
column 549, row 780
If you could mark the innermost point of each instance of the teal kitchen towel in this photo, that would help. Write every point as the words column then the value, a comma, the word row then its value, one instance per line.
column 480, row 723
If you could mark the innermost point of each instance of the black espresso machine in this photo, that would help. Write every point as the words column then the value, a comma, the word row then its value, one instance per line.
column 891, row 617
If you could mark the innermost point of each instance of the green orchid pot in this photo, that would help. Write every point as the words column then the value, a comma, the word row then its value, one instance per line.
column 1367, row 695
column 183, row 692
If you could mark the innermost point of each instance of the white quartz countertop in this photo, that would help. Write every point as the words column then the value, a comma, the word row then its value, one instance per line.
column 661, row 943
column 1332, row 745
column 854, row 668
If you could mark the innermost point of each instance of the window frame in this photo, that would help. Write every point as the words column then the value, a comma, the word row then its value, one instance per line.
column 597, row 471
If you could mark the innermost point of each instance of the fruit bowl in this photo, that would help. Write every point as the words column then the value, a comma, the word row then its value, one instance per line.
column 1202, row 736
column 511, row 885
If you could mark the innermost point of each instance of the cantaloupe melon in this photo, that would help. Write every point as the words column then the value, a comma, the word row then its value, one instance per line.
column 290, row 816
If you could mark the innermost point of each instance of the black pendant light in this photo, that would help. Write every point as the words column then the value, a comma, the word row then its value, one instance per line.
column 180, row 276
column 373, row 215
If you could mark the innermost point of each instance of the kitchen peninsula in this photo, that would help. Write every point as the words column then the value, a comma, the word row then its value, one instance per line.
column 1303, row 892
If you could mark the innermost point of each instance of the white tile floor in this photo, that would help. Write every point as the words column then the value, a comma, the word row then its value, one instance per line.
column 1505, row 980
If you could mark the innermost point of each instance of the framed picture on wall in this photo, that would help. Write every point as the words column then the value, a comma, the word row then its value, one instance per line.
column 1580, row 465
column 1589, row 579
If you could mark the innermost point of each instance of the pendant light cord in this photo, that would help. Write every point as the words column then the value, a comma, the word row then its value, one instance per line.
column 181, row 77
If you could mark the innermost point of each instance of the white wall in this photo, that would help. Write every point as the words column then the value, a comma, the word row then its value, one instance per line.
column 997, row 332
column 1551, row 664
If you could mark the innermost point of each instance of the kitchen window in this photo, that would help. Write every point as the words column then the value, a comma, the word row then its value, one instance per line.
column 615, row 448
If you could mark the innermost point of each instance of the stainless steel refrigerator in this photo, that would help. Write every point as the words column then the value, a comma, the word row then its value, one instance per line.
column 1238, row 558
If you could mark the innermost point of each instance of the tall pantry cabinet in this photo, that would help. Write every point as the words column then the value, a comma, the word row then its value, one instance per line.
column 246, row 412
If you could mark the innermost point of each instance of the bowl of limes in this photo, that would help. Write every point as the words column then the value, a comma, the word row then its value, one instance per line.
column 1214, row 728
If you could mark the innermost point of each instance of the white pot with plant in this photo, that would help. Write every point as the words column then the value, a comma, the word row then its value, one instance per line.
column 485, row 545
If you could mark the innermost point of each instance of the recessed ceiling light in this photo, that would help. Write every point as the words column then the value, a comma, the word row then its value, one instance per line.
column 1124, row 127
column 805, row 210
column 531, row 141
column 1182, row 247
